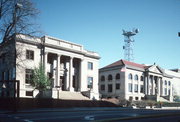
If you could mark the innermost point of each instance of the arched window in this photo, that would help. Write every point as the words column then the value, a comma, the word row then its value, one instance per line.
column 130, row 76
column 136, row 77
column 165, row 82
column 169, row 83
column 102, row 78
column 109, row 77
column 142, row 78
column 117, row 76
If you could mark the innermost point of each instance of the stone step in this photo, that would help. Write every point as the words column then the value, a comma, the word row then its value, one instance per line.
column 67, row 95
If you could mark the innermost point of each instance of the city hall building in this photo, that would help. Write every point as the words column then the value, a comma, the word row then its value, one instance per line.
column 131, row 81
column 70, row 67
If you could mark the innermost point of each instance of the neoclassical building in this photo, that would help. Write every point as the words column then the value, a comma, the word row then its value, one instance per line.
column 69, row 66
column 128, row 80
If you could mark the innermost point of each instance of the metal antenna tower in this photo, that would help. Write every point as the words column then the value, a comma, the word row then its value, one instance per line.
column 128, row 50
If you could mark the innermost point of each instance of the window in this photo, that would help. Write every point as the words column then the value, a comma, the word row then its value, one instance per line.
column 169, row 83
column 130, row 76
column 29, row 75
column 142, row 78
column 102, row 78
column 109, row 87
column 136, row 98
column 130, row 98
column 90, row 82
column 117, row 76
column 169, row 92
column 136, row 77
column 130, row 87
column 117, row 86
column 30, row 54
column 142, row 89
column 165, row 82
column 29, row 93
column 90, row 65
column 136, row 88
column 102, row 87
column 109, row 77
column 165, row 91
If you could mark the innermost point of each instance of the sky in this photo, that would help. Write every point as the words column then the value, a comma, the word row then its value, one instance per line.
column 98, row 24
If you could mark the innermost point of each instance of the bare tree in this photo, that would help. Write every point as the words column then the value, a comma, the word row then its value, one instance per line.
column 17, row 16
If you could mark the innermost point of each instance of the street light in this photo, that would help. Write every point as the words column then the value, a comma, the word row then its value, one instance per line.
column 179, row 34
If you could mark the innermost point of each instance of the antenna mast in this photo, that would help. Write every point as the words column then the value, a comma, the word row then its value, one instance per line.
column 128, row 50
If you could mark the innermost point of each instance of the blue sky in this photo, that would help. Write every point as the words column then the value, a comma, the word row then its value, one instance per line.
column 98, row 24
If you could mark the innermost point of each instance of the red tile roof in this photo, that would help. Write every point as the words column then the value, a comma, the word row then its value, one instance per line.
column 124, row 62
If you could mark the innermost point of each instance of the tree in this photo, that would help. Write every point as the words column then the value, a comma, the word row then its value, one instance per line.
column 17, row 16
column 40, row 81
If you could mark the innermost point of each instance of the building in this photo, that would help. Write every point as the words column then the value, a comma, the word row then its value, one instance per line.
column 131, row 81
column 69, row 66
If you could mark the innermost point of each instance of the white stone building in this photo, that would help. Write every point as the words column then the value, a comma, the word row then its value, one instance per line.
column 132, row 81
column 69, row 65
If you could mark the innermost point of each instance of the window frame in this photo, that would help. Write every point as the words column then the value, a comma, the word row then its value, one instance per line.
column 30, row 54
column 90, row 66
column 142, row 78
column 169, row 83
column 118, row 77
column 118, row 86
column 110, row 90
column 136, row 78
column 129, row 87
column 141, row 88
column 110, row 77
column 102, row 78
column 90, row 82
column 28, row 76
column 136, row 88
column 102, row 87
column 130, row 77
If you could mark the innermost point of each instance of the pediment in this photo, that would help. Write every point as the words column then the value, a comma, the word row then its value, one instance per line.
column 155, row 69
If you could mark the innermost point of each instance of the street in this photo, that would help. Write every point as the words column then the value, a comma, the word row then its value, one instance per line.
column 89, row 114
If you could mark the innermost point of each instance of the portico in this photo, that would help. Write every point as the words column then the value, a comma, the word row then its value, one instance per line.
column 64, row 71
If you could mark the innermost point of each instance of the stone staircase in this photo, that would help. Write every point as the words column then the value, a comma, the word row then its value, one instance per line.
column 67, row 95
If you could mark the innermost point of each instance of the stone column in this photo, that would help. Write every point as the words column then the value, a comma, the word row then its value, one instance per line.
column 45, row 62
column 139, row 85
column 162, row 87
column 153, row 85
column 148, row 90
column 145, row 85
column 81, row 75
column 58, row 70
column 70, row 74
column 159, row 86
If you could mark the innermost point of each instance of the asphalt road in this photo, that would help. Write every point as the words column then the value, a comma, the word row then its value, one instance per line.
column 81, row 115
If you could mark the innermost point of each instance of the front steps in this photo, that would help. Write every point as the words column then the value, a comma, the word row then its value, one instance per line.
column 67, row 95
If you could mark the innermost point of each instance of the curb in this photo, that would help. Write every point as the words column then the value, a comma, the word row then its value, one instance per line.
column 138, row 117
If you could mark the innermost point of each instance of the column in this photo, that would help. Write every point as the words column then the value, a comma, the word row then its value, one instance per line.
column 70, row 74
column 58, row 70
column 148, row 91
column 162, row 87
column 153, row 85
column 159, row 86
column 45, row 62
column 145, row 85
column 171, row 94
column 81, row 75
